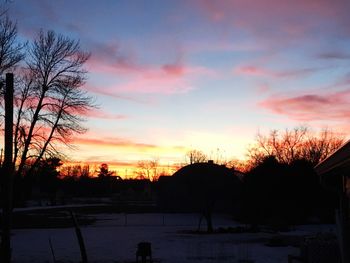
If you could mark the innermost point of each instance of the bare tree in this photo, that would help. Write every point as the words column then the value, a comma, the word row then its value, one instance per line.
column 76, row 170
column 291, row 145
column 148, row 170
column 11, row 53
column 50, row 101
column 316, row 149
column 238, row 165
column 195, row 156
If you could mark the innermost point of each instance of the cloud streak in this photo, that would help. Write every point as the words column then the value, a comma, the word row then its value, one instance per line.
column 166, row 79
column 263, row 72
column 99, row 114
column 331, row 106
column 334, row 55
column 113, row 142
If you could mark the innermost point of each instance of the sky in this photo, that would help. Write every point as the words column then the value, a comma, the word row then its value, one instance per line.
column 170, row 76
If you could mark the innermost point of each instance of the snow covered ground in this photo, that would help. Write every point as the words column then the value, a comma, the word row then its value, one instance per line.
column 114, row 238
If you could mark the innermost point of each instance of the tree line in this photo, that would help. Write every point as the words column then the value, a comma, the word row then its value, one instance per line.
column 287, row 146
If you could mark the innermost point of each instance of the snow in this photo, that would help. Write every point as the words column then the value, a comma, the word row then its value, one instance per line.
column 114, row 238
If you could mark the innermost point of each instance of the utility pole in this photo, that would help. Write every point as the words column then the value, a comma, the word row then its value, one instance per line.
column 1, row 157
column 7, row 173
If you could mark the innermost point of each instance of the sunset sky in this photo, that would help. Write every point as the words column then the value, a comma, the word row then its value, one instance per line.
column 170, row 76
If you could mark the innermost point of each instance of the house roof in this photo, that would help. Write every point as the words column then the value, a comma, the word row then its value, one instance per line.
column 209, row 168
column 339, row 160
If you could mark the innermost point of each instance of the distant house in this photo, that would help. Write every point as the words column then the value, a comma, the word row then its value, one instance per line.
column 335, row 172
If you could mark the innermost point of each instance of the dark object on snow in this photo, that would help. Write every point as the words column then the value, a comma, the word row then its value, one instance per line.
column 144, row 250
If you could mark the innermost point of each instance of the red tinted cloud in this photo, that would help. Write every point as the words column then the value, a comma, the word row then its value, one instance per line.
column 332, row 106
column 173, row 69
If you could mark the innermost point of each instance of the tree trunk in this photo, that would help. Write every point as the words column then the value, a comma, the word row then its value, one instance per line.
column 30, row 132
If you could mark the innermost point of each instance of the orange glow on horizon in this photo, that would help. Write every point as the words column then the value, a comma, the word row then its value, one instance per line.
column 125, row 170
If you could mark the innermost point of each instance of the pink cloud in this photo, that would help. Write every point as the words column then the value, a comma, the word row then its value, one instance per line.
column 170, row 78
column 263, row 88
column 106, row 115
column 167, row 79
column 173, row 69
column 155, row 82
column 278, row 22
column 331, row 106
column 108, row 91
column 115, row 60
column 262, row 72
column 109, row 58
column 252, row 71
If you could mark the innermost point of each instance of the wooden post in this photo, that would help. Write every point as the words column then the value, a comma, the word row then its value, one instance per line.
column 52, row 251
column 79, row 237
column 7, row 173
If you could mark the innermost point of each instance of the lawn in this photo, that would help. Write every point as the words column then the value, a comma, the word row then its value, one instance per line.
column 113, row 237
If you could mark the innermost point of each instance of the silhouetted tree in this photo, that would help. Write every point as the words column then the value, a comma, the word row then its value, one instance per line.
column 291, row 145
column 76, row 170
column 104, row 171
column 46, row 176
column 148, row 170
column 279, row 193
column 238, row 165
column 50, row 102
column 261, row 188
column 195, row 156
column 11, row 52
